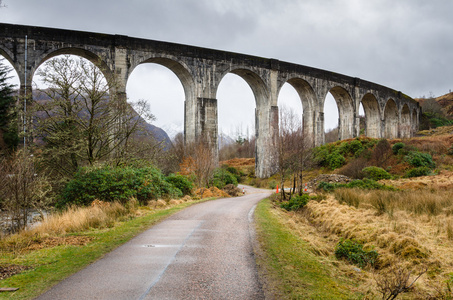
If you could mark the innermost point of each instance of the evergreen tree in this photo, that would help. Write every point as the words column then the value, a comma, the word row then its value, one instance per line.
column 8, row 127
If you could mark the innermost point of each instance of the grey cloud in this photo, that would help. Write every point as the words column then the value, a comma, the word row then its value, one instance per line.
column 403, row 44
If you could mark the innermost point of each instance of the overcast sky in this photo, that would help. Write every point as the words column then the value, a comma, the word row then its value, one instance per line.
column 403, row 44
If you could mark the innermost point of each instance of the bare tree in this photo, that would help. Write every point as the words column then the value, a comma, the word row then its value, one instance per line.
column 80, row 121
column 22, row 189
column 292, row 150
column 431, row 106
column 199, row 161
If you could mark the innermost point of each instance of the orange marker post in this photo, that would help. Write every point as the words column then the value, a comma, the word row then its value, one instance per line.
column 277, row 189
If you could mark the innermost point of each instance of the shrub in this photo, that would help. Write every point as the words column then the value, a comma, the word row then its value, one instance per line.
column 376, row 173
column 296, row 202
column 354, row 253
column 354, row 168
column 381, row 152
column 420, row 159
column 181, row 182
column 326, row 186
column 366, row 184
column 232, row 190
column 272, row 184
column 417, row 172
column 350, row 148
column 320, row 155
column 235, row 172
column 397, row 147
column 406, row 149
column 116, row 184
column 335, row 160
column 222, row 177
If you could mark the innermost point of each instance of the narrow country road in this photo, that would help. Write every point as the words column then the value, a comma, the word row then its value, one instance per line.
column 202, row 252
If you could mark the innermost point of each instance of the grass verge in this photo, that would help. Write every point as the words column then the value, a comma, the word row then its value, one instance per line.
column 51, row 265
column 289, row 269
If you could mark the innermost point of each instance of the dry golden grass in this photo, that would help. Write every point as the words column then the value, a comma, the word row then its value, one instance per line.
column 210, row 192
column 443, row 130
column 72, row 220
column 238, row 162
column 53, row 230
column 442, row 181
column 409, row 230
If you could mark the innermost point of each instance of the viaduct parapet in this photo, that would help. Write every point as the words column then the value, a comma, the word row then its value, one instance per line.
column 388, row 113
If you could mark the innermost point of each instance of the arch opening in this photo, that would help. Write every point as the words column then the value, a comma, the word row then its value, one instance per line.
column 236, row 104
column 13, row 75
column 405, row 126
column 290, row 108
column 9, row 84
column 345, row 106
column 160, row 87
column 298, row 96
column 372, row 116
column 390, row 120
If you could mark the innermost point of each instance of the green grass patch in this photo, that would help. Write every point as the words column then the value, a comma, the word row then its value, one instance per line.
column 51, row 265
column 290, row 269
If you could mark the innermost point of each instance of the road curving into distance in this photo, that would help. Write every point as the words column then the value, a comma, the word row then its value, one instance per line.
column 203, row 252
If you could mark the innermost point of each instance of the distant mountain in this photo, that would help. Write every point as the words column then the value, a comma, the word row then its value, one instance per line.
column 225, row 140
column 172, row 129
column 158, row 133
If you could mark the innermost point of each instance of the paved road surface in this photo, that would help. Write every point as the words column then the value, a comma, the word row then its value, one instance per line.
column 202, row 252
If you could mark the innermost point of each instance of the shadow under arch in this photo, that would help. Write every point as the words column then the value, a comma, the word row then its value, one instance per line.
column 390, row 119
column 345, row 106
column 372, row 116
column 308, row 99
column 405, row 126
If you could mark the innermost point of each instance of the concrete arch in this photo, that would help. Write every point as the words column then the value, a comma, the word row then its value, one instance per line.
column 346, row 112
column 390, row 119
column 372, row 116
column 308, row 100
column 255, row 82
column 8, row 58
column 7, row 55
column 16, row 66
column 304, row 89
column 405, row 122
column 181, row 71
column 90, row 56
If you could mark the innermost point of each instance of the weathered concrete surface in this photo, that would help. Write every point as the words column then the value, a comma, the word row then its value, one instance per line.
column 388, row 113
column 203, row 252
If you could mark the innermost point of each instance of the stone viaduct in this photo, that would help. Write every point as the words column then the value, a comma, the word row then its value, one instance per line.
column 388, row 113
